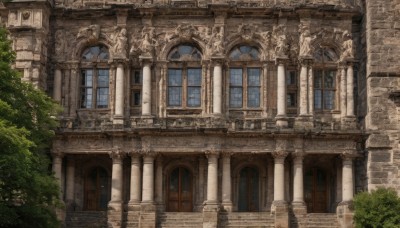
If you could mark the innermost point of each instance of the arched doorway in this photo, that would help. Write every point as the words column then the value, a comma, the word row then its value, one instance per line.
column 316, row 183
column 97, row 188
column 180, row 192
column 248, row 190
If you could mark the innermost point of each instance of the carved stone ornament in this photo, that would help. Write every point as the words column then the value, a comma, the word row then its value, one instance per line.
column 216, row 41
column 247, row 32
column 280, row 37
column 280, row 154
column 60, row 43
column 305, row 41
column 91, row 33
column 56, row 153
column 281, row 145
column 120, row 44
column 347, row 47
column 26, row 15
column 213, row 151
column 348, row 154
column 117, row 153
column 135, row 153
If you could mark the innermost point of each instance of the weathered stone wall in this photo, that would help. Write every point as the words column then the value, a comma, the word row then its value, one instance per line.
column 383, row 83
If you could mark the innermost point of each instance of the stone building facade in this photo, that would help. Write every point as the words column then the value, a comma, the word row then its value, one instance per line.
column 191, row 113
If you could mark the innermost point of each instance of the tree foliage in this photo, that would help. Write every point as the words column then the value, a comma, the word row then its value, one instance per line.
column 28, row 190
column 378, row 209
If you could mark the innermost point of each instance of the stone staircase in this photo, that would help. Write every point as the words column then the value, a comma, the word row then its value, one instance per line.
column 86, row 219
column 245, row 219
column 322, row 220
column 180, row 219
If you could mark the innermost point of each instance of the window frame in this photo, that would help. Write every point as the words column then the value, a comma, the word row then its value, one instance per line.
column 292, row 89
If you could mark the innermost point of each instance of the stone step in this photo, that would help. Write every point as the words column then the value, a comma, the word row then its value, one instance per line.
column 86, row 219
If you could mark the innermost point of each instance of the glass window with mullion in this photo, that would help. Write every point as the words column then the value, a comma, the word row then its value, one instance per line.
column 175, row 87
column 235, row 88
column 193, row 87
column 253, row 87
column 136, row 87
column 325, row 89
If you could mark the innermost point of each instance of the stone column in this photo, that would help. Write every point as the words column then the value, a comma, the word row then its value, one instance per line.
column 57, row 169
column 119, row 95
column 303, row 105
column 148, row 179
column 298, row 204
column 212, row 178
column 57, row 85
column 350, row 88
column 279, row 205
column 115, row 209
column 146, row 89
column 159, row 181
column 226, row 182
column 74, row 86
column 201, row 183
column 310, row 91
column 70, row 183
column 135, row 193
column 270, row 183
column 217, row 89
column 343, row 90
column 281, row 120
column 347, row 178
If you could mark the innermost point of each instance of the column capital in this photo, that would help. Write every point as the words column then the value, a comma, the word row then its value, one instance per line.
column 117, row 154
column 298, row 156
column 342, row 65
column 217, row 60
column 348, row 155
column 226, row 154
column 213, row 153
column 73, row 65
column 118, row 62
column 281, row 60
column 306, row 61
column 57, row 153
column 146, row 60
column 280, row 154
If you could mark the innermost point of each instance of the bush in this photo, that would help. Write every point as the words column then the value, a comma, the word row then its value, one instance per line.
column 380, row 208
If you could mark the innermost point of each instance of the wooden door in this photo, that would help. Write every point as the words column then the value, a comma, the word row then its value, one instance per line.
column 316, row 190
column 180, row 190
column 248, row 190
column 96, row 190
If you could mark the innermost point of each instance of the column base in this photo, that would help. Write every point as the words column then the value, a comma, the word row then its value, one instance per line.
column 345, row 214
column 304, row 123
column 114, row 214
column 118, row 120
column 348, row 123
column 280, row 210
column 210, row 215
column 227, row 206
column 147, row 206
column 148, row 215
column 299, row 207
column 281, row 121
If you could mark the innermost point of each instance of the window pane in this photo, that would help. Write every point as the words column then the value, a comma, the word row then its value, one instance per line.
column 136, row 78
column 86, row 97
column 253, row 76
column 329, row 99
column 102, row 78
column 136, row 98
column 291, row 100
column 174, row 96
column 194, row 77
column 318, row 79
column 87, row 78
column 329, row 80
column 236, row 77
column 102, row 97
column 317, row 99
column 174, row 77
column 253, row 97
column 291, row 78
column 236, row 95
column 194, row 96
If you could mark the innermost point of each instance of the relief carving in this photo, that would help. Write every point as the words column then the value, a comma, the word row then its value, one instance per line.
column 121, row 42
column 347, row 46
column 216, row 41
column 60, row 43
column 305, row 41
column 91, row 33
column 145, row 46
column 117, row 154
column 282, row 44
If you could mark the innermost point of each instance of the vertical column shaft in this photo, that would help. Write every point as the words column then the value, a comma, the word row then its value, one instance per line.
column 57, row 85
column 201, row 180
column 298, row 186
column 148, row 179
column 343, row 92
column 350, row 88
column 57, row 169
column 279, row 178
column 217, row 89
column 281, row 98
column 146, row 91
column 159, row 176
column 70, row 182
column 116, row 183
column 303, row 91
column 226, row 179
column 270, row 184
column 212, row 178
column 310, row 91
column 135, row 180
column 347, row 179
column 119, row 91
column 73, row 91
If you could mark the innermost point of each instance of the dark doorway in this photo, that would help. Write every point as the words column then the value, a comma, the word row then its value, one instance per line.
column 316, row 190
column 180, row 190
column 248, row 190
column 97, row 190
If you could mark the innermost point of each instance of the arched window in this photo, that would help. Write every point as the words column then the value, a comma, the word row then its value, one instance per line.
column 184, row 77
column 94, row 83
column 325, row 79
column 244, row 77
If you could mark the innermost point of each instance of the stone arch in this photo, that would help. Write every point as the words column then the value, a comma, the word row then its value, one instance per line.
column 82, row 44
column 260, row 166
column 178, row 41
column 255, row 42
column 321, row 43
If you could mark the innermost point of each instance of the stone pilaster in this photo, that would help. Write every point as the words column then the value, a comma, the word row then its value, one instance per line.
column 147, row 206
column 57, row 84
column 159, row 184
column 348, row 121
column 344, row 210
column 281, row 118
column 304, row 120
column 211, row 208
column 119, row 94
column 115, row 210
column 226, row 182
column 280, row 207
column 298, row 204
column 146, row 86
column 70, row 184
column 217, row 87
column 135, row 189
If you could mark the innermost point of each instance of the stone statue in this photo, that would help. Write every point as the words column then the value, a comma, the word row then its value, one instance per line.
column 347, row 46
column 216, row 42
column 148, row 41
column 121, row 43
column 305, row 41
column 59, row 43
column 282, row 46
column 91, row 33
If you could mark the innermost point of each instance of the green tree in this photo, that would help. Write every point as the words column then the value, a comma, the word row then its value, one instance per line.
column 378, row 209
column 28, row 190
